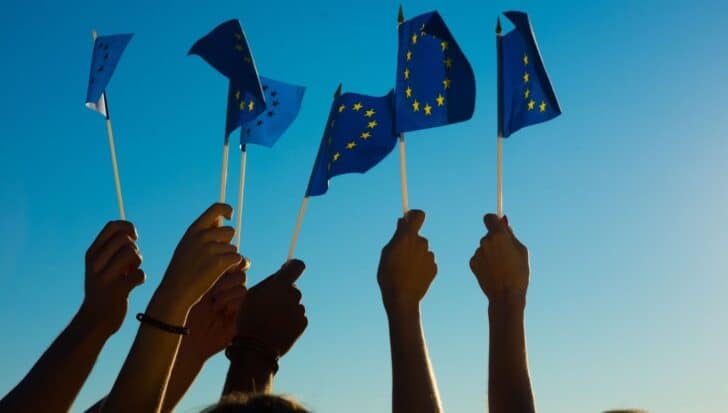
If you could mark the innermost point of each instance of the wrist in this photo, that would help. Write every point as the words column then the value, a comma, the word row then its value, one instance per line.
column 506, row 302
column 400, row 305
column 92, row 323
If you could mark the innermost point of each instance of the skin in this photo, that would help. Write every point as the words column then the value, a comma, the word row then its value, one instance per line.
column 203, row 254
column 406, row 270
column 112, row 271
column 501, row 267
column 272, row 315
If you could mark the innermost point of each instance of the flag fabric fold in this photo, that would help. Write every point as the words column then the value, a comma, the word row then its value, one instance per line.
column 525, row 94
column 105, row 57
column 359, row 133
column 435, row 83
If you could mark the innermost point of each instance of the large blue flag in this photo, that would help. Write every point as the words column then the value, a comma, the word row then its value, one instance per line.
column 435, row 83
column 284, row 101
column 359, row 133
column 226, row 49
column 106, row 54
column 525, row 95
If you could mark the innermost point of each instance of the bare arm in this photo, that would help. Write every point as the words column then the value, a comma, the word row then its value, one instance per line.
column 112, row 271
column 502, row 269
column 406, row 270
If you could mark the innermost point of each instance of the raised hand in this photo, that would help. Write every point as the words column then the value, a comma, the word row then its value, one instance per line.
column 112, row 271
column 501, row 262
column 272, row 312
column 406, row 266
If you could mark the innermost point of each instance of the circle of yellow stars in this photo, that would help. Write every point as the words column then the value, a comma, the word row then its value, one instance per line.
column 530, row 102
column 364, row 136
column 424, row 107
column 249, row 105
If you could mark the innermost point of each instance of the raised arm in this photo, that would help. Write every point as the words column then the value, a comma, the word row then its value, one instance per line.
column 501, row 266
column 112, row 271
column 406, row 269
column 201, row 257
column 270, row 320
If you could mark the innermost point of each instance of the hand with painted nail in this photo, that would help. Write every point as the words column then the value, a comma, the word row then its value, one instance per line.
column 112, row 270
column 501, row 262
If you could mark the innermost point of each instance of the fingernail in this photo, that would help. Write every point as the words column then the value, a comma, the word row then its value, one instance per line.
column 505, row 219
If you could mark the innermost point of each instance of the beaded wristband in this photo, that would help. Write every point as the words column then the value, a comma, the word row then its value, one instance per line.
column 181, row 330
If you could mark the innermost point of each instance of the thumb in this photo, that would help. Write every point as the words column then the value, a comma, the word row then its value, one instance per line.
column 493, row 223
column 291, row 271
column 413, row 220
column 133, row 280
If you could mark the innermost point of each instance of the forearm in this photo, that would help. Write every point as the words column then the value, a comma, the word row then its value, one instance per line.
column 61, row 371
column 142, row 382
column 249, row 373
column 183, row 374
column 413, row 383
column 509, row 384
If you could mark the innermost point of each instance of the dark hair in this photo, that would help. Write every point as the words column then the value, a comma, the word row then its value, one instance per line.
column 255, row 403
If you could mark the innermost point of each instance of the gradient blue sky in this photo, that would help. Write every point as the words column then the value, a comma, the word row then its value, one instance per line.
column 621, row 200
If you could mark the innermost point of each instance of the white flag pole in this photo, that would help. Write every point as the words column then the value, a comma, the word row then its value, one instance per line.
column 241, row 191
column 110, row 133
column 403, row 174
column 301, row 211
column 499, row 174
column 499, row 156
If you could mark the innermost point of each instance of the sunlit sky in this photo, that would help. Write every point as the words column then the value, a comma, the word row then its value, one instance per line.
column 621, row 200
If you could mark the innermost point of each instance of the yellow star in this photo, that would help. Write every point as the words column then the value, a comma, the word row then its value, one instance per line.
column 242, row 105
column 440, row 100
column 446, row 83
column 542, row 106
column 369, row 113
column 527, row 93
column 443, row 44
column 416, row 106
column 357, row 106
column 341, row 108
column 251, row 105
column 336, row 156
column 406, row 73
column 247, row 59
column 414, row 38
column 351, row 145
column 428, row 110
column 448, row 63
column 366, row 135
column 525, row 59
column 408, row 92
column 409, row 55
column 237, row 95
column 238, row 36
column 239, row 47
column 372, row 124
column 531, row 104
column 525, row 77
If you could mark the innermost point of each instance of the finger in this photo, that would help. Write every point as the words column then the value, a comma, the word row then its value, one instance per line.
column 112, row 246
column 492, row 223
column 291, row 271
column 217, row 234
column 297, row 296
column 222, row 263
column 229, row 298
column 133, row 280
column 219, row 248
column 111, row 228
column 125, row 261
column 231, row 279
column 413, row 220
column 209, row 218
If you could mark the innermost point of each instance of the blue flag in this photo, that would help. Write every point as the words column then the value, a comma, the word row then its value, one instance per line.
column 106, row 54
column 525, row 95
column 359, row 134
column 284, row 101
column 435, row 83
column 226, row 49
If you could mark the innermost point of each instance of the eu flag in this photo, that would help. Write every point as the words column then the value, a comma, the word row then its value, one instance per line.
column 226, row 49
column 106, row 54
column 525, row 95
column 435, row 83
column 359, row 133
column 284, row 101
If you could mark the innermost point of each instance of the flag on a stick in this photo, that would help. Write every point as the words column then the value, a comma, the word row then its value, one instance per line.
column 106, row 54
column 283, row 103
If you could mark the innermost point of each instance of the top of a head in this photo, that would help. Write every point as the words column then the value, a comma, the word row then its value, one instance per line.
column 255, row 403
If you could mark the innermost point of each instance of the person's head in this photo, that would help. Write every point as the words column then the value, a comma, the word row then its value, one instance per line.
column 256, row 403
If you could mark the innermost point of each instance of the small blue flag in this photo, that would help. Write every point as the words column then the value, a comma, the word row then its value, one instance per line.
column 106, row 54
column 226, row 49
column 525, row 95
column 284, row 101
column 359, row 134
column 435, row 83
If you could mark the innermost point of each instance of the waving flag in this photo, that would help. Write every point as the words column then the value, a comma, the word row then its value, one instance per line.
column 359, row 134
column 435, row 83
column 106, row 54
column 525, row 95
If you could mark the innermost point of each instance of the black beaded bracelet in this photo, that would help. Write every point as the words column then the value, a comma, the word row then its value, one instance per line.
column 181, row 330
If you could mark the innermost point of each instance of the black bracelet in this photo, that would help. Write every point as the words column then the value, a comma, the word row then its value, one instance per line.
column 254, row 345
column 183, row 331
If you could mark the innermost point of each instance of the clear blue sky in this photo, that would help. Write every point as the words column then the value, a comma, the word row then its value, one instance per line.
column 621, row 200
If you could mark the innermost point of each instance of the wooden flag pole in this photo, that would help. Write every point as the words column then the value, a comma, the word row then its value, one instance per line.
column 499, row 174
column 301, row 211
column 241, row 191
column 110, row 133
column 223, row 177
column 403, row 173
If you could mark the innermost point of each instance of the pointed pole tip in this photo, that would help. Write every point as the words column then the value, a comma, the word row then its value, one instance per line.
column 400, row 15
column 338, row 91
column 498, row 29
